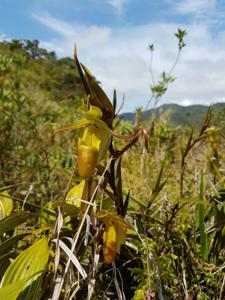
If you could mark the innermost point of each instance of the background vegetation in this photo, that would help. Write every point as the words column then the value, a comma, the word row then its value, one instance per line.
column 175, row 242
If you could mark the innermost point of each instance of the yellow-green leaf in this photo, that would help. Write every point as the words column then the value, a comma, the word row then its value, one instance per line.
column 12, row 291
column 6, row 205
column 22, row 270
column 74, row 195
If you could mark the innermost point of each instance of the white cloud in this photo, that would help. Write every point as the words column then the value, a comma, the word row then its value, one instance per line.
column 193, row 6
column 118, row 5
column 119, row 59
column 59, row 26
column 209, row 12
column 87, row 36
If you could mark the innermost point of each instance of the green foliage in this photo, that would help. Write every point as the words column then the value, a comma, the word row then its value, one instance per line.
column 180, row 36
column 159, row 88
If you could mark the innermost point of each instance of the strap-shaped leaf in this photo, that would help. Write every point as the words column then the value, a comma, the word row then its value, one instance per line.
column 21, row 272
column 73, row 258
column 8, row 244
column 9, row 223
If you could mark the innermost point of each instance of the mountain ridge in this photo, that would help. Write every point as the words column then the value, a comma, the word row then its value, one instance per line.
column 175, row 114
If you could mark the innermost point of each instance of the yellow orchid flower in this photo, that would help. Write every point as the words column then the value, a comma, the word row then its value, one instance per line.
column 94, row 140
column 114, row 235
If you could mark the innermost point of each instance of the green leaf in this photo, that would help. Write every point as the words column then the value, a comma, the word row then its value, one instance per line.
column 23, row 270
column 31, row 292
column 140, row 202
column 158, row 185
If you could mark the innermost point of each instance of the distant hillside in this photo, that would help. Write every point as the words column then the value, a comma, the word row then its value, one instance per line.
column 41, row 74
column 177, row 115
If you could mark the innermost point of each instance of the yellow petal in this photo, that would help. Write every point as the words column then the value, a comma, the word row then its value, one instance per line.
column 87, row 160
column 115, row 234
column 109, row 245
column 97, row 137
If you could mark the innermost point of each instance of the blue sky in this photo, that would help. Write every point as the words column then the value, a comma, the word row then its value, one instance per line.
column 112, row 38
